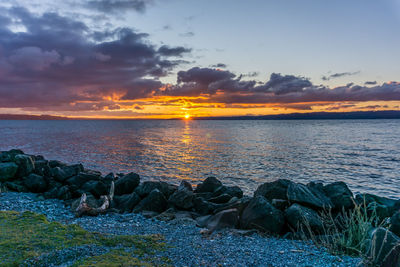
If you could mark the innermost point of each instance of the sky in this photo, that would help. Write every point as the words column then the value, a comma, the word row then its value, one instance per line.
column 177, row 58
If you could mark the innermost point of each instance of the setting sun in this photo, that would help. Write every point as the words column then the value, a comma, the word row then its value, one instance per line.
column 187, row 116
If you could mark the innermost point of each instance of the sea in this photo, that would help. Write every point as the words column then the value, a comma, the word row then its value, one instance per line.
column 365, row 154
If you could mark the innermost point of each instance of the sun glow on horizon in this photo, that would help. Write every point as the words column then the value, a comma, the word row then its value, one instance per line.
column 187, row 116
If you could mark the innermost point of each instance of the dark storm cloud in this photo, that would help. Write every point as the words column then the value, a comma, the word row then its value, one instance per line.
column 173, row 51
column 56, row 61
column 338, row 75
column 284, row 84
column 225, row 87
column 219, row 65
column 116, row 6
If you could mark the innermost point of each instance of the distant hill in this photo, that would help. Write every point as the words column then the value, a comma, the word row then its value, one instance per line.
column 389, row 114
column 30, row 117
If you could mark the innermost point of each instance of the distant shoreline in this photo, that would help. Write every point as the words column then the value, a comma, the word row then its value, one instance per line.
column 357, row 115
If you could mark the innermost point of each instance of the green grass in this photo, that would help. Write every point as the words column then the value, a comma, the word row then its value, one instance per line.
column 27, row 235
column 346, row 233
column 115, row 258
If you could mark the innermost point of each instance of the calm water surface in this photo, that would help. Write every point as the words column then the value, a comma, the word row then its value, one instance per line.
column 363, row 153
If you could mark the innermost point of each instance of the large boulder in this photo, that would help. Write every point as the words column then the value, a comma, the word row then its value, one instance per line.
column 299, row 193
column 126, row 203
column 395, row 223
column 203, row 207
column 17, row 186
column 42, row 168
column 146, row 187
column 273, row 190
column 383, row 248
column 340, row 195
column 382, row 206
column 260, row 214
column 182, row 199
column 208, row 185
column 96, row 188
column 9, row 156
column 155, row 201
column 224, row 219
column 7, row 171
column 82, row 177
column 35, row 183
column 127, row 184
column 64, row 172
column 224, row 198
column 25, row 164
column 64, row 193
column 233, row 191
column 52, row 193
column 300, row 218
column 185, row 185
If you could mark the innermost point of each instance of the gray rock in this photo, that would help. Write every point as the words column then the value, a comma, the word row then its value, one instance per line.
column 340, row 195
column 233, row 191
column 203, row 220
column 64, row 193
column 64, row 172
column 260, row 214
column 25, row 164
column 384, row 207
column 206, row 195
column 16, row 186
column 109, row 177
column 395, row 223
column 383, row 248
column 182, row 199
column 56, row 163
column 146, row 187
column 280, row 204
column 224, row 198
column 300, row 217
column 9, row 156
column 96, row 188
column 35, row 183
column 42, row 168
column 208, row 185
column 7, row 171
column 126, row 203
column 273, row 190
column 52, row 193
column 204, row 207
column 299, row 193
column 155, row 201
column 185, row 185
column 80, row 179
column 224, row 219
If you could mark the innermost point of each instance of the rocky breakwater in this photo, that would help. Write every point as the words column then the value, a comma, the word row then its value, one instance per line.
column 280, row 208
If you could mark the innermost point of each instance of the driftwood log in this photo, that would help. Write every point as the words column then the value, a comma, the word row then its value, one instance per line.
column 85, row 210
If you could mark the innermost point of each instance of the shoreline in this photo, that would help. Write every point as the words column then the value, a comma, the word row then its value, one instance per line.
column 278, row 208
column 186, row 245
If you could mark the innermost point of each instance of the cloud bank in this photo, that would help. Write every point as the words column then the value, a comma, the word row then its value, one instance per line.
column 58, row 63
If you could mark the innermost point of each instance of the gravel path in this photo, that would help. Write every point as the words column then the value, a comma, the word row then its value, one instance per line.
column 188, row 246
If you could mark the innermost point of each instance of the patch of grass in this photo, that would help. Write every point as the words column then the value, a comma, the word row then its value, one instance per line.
column 346, row 233
column 27, row 235
column 114, row 258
